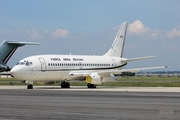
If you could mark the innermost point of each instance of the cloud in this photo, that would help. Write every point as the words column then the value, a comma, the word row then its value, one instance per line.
column 34, row 34
column 60, row 33
column 174, row 33
column 171, row 47
column 137, row 27
column 46, row 31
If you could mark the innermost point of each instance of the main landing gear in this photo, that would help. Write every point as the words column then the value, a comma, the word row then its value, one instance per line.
column 30, row 86
column 91, row 85
column 65, row 84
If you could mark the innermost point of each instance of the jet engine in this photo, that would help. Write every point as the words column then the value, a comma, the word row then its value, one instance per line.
column 95, row 78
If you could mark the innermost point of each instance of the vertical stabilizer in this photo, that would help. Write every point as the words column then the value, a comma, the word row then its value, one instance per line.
column 7, row 49
column 117, row 47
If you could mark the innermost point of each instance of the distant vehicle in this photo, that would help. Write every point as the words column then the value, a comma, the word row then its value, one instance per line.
column 94, row 69
column 178, row 75
column 170, row 75
column 161, row 75
column 149, row 75
column 139, row 75
column 7, row 49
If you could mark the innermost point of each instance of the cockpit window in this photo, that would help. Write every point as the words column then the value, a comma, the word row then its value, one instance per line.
column 25, row 63
column 28, row 63
column 20, row 63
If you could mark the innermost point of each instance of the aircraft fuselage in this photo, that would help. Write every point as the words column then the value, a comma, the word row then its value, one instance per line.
column 59, row 67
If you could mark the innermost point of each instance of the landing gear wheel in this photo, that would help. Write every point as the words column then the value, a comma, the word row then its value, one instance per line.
column 30, row 86
column 65, row 85
column 91, row 85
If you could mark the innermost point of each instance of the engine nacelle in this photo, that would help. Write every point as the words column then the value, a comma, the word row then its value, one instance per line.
column 95, row 78
column 4, row 68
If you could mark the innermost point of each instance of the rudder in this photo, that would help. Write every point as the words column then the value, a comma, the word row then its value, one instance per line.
column 117, row 47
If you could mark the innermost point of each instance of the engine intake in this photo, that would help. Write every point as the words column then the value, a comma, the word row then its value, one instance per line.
column 95, row 78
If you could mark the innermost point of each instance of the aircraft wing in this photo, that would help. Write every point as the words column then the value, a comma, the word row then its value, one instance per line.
column 108, row 72
column 130, row 70
column 79, row 74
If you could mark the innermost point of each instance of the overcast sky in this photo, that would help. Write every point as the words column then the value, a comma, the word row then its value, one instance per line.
column 88, row 27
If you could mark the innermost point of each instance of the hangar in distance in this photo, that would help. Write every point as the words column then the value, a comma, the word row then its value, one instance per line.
column 64, row 68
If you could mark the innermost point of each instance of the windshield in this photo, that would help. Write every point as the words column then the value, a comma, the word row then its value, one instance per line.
column 20, row 63
column 27, row 63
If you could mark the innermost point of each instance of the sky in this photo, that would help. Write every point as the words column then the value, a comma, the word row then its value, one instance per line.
column 88, row 27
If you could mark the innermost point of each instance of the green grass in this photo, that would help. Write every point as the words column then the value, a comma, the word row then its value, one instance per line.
column 143, row 81
column 10, row 81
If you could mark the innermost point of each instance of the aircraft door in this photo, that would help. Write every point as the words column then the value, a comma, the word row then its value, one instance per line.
column 43, row 64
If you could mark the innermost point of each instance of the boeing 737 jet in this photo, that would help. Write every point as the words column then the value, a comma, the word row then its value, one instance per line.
column 94, row 69
column 7, row 49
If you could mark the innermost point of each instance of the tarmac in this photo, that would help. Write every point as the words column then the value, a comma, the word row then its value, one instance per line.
column 101, row 88
column 81, row 103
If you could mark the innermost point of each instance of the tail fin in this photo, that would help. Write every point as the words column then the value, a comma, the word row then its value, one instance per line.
column 7, row 49
column 117, row 47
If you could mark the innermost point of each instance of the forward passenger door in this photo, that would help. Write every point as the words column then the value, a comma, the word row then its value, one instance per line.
column 43, row 64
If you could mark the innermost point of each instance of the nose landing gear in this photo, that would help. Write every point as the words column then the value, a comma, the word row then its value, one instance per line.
column 30, row 84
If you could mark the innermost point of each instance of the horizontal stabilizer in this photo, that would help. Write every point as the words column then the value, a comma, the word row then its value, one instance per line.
column 23, row 43
column 134, row 59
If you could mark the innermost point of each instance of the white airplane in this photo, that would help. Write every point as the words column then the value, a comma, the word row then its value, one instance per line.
column 94, row 69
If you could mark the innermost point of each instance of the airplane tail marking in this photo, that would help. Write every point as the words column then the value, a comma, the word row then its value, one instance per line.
column 6, row 59
column 7, row 49
column 117, row 47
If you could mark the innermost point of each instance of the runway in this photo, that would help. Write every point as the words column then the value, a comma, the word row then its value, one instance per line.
column 51, row 103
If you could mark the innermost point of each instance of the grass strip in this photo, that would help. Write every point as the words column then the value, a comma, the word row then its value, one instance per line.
column 121, row 82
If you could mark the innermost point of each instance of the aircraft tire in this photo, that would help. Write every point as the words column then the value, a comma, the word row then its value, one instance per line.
column 91, row 85
column 65, row 84
column 30, row 86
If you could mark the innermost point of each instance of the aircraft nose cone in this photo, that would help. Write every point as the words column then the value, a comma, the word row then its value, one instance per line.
column 13, row 70
column 16, row 72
